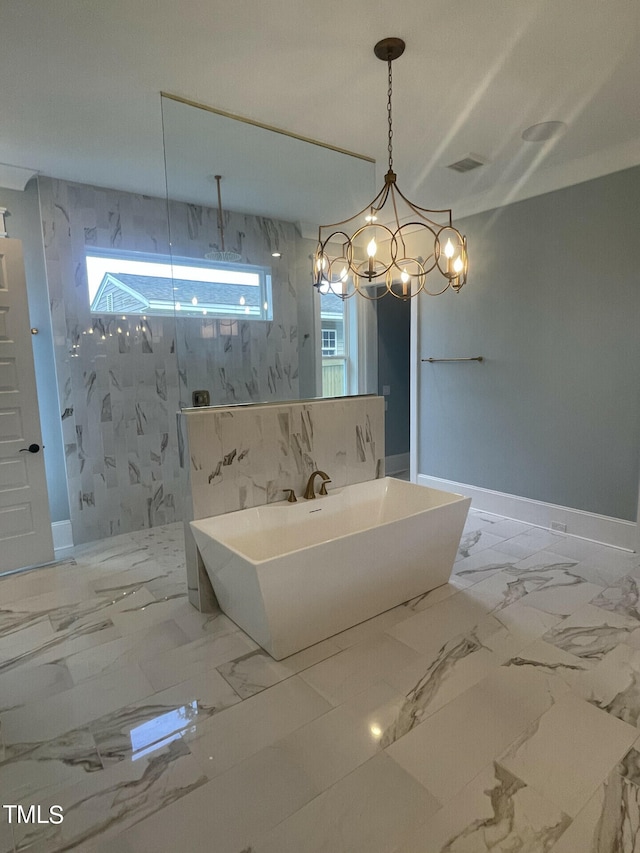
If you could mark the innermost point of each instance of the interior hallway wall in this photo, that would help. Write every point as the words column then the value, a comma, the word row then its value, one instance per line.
column 394, row 337
column 553, row 305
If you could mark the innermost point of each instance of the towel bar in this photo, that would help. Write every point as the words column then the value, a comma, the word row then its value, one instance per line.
column 475, row 358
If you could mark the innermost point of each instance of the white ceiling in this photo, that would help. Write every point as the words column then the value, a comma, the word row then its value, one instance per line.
column 80, row 83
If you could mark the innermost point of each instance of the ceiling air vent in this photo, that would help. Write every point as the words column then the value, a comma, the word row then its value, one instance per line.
column 471, row 161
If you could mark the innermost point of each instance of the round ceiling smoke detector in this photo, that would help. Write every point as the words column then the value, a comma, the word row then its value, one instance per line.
column 543, row 131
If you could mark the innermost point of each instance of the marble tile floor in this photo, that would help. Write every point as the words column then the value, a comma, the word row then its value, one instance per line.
column 500, row 712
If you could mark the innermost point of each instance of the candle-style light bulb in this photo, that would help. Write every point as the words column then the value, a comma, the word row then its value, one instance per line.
column 458, row 265
column 449, row 250
column 371, row 251
column 405, row 278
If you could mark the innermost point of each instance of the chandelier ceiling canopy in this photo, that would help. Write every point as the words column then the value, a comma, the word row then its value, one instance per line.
column 392, row 245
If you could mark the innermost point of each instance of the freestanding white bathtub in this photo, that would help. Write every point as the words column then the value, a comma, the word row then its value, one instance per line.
column 292, row 574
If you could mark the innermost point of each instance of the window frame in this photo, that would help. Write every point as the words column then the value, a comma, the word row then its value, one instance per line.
column 341, row 359
column 329, row 344
column 360, row 346
column 178, row 308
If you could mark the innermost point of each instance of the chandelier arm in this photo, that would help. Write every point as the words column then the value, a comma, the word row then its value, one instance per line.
column 420, row 210
column 382, row 196
column 424, row 261
column 342, row 295
column 436, row 292
column 404, row 297
column 372, row 204
column 395, row 211
column 379, row 285
column 455, row 279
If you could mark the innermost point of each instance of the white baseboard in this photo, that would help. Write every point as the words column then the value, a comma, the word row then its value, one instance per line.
column 585, row 525
column 62, row 535
column 397, row 463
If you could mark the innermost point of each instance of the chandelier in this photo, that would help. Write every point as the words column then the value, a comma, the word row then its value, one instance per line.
column 378, row 251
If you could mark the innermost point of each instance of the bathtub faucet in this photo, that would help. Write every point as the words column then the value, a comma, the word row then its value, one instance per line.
column 309, row 492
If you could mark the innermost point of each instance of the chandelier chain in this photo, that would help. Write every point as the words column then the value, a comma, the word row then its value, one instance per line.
column 389, row 93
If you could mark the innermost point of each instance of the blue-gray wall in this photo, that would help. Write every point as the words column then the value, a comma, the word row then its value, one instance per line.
column 23, row 223
column 553, row 304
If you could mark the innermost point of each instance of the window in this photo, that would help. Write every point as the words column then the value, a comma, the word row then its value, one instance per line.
column 347, row 335
column 133, row 283
column 329, row 345
column 334, row 345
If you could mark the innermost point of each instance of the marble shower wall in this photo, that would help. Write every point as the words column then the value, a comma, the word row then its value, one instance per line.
column 241, row 361
column 121, row 382
column 247, row 456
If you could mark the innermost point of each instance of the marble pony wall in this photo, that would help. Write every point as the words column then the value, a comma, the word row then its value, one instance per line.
column 247, row 456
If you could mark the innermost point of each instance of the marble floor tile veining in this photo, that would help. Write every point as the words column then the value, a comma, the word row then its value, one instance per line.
column 569, row 751
column 499, row 712
column 453, row 745
column 496, row 811
column 610, row 820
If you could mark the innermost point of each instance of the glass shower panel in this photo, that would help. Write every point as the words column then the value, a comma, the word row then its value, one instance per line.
column 244, row 203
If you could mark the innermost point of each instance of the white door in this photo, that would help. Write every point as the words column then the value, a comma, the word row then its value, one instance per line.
column 25, row 524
